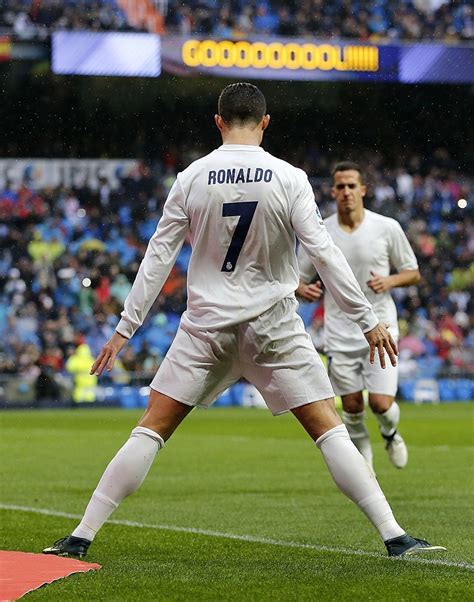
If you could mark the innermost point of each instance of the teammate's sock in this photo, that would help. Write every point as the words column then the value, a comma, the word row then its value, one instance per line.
column 353, row 477
column 124, row 475
column 389, row 420
column 355, row 424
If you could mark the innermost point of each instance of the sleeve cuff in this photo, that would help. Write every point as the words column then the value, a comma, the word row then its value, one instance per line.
column 368, row 322
column 125, row 329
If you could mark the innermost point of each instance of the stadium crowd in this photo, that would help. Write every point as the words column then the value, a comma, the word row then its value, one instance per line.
column 357, row 19
column 36, row 19
column 69, row 257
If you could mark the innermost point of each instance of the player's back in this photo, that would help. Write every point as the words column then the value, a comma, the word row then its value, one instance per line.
column 238, row 200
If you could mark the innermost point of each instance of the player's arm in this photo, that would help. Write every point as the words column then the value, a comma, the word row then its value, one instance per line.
column 155, row 267
column 309, row 292
column 307, row 289
column 401, row 258
column 336, row 274
column 381, row 284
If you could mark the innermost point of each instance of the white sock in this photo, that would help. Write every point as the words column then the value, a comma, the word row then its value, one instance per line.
column 389, row 420
column 124, row 475
column 353, row 477
column 359, row 435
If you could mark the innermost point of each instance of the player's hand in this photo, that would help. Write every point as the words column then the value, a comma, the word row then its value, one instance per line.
column 379, row 338
column 108, row 353
column 310, row 292
column 379, row 284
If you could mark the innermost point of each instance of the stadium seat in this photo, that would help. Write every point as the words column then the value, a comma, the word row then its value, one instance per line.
column 406, row 389
column 252, row 398
column 306, row 311
column 448, row 389
column 426, row 391
column 127, row 397
column 225, row 399
column 238, row 393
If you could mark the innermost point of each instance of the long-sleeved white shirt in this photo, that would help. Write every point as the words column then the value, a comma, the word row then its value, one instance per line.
column 242, row 208
column 378, row 244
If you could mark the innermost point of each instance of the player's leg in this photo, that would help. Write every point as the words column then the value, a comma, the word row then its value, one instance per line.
column 129, row 467
column 382, row 386
column 387, row 413
column 353, row 476
column 353, row 416
column 195, row 370
column 347, row 467
column 345, row 374
column 278, row 357
column 126, row 471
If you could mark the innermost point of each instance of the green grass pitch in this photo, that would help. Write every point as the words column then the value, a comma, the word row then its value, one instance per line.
column 276, row 527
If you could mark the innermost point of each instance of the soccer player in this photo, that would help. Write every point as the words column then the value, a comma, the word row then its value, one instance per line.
column 242, row 208
column 372, row 245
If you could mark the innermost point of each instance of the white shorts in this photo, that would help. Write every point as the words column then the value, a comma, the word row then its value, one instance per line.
column 352, row 372
column 272, row 351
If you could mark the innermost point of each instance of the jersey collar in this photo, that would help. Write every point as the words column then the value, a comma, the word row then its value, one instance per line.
column 241, row 147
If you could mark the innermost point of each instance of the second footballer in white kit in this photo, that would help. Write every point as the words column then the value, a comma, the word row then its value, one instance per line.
column 373, row 245
column 241, row 208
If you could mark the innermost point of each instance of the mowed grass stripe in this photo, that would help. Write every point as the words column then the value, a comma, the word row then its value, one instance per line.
column 245, row 538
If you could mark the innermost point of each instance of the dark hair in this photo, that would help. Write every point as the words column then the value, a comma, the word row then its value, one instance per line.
column 348, row 166
column 241, row 103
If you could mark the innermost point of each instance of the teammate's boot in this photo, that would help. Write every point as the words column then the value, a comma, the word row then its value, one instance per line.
column 69, row 546
column 406, row 545
column 396, row 449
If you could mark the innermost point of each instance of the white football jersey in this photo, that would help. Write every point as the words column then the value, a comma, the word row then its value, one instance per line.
column 378, row 244
column 241, row 207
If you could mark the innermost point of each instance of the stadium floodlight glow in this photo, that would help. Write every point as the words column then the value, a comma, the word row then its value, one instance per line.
column 462, row 203
column 106, row 53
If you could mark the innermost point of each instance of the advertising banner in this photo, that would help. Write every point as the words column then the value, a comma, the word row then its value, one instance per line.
column 105, row 53
column 258, row 57
column 318, row 60
column 44, row 173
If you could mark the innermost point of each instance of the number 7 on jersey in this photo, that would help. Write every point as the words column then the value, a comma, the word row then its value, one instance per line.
column 245, row 210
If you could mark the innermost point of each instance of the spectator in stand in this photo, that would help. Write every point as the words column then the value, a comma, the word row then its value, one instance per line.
column 120, row 288
column 78, row 365
column 265, row 20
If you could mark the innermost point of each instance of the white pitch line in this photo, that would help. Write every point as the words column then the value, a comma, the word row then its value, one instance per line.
column 247, row 538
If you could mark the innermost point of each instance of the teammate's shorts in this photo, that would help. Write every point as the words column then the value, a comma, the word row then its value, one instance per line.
column 272, row 351
column 352, row 372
